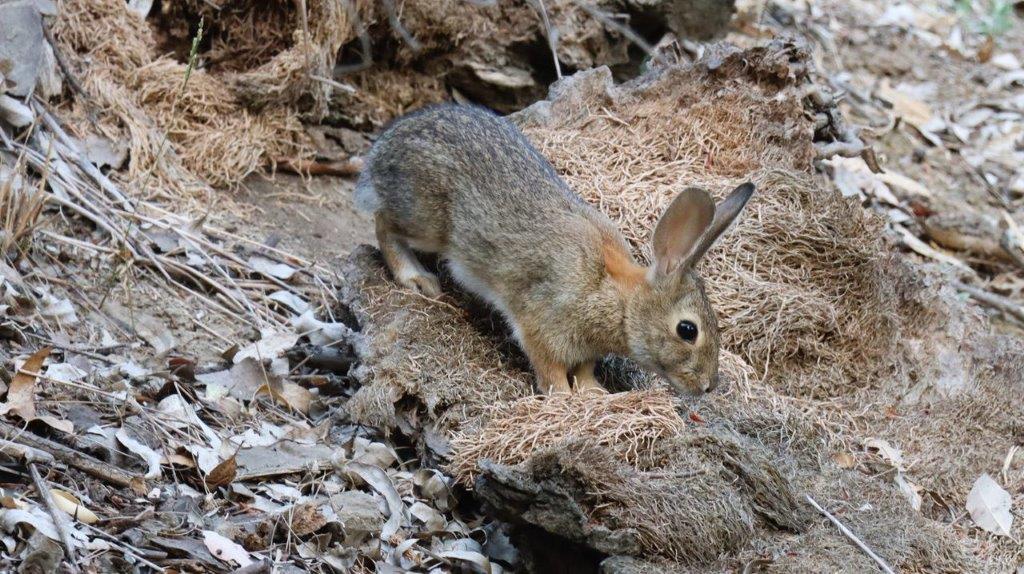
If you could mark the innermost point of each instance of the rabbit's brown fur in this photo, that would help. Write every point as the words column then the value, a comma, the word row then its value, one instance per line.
column 466, row 184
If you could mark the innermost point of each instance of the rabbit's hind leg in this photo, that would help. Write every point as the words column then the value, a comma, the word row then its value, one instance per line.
column 408, row 271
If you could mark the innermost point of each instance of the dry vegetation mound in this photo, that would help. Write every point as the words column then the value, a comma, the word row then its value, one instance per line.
column 824, row 331
column 234, row 117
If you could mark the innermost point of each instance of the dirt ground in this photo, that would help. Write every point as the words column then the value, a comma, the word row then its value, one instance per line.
column 313, row 218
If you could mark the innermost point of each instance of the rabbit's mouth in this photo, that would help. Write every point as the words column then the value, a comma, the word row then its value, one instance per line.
column 686, row 385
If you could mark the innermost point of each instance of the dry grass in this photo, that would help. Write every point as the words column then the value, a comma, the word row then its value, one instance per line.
column 425, row 351
column 230, row 121
column 20, row 208
column 628, row 423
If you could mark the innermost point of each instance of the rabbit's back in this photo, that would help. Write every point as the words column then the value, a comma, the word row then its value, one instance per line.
column 461, row 174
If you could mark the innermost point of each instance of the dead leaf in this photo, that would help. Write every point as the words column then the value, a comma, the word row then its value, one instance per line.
column 225, row 549
column 68, row 503
column 290, row 300
column 61, row 310
column 293, row 396
column 37, row 518
column 477, row 561
column 986, row 49
column 844, row 460
column 306, row 518
column 892, row 456
column 430, row 517
column 1006, row 61
column 900, row 181
column 989, row 506
column 270, row 268
column 272, row 344
column 186, row 548
column 319, row 332
column 889, row 453
column 150, row 329
column 65, row 372
column 380, row 482
column 102, row 152
column 152, row 457
column 432, row 487
column 910, row 491
column 913, row 111
column 21, row 398
column 357, row 511
column 284, row 457
column 21, row 395
column 854, row 178
column 241, row 381
column 372, row 453
column 222, row 474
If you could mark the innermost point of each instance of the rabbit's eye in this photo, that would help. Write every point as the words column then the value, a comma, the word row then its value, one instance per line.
column 687, row 331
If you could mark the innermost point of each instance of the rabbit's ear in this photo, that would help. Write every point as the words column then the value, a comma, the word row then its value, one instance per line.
column 679, row 231
column 725, row 214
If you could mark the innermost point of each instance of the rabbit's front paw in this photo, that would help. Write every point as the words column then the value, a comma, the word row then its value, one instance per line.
column 422, row 282
column 584, row 380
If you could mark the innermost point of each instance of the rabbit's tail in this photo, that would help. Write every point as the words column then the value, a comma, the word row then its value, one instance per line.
column 366, row 195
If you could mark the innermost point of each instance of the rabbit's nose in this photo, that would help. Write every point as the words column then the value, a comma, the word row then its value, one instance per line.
column 712, row 383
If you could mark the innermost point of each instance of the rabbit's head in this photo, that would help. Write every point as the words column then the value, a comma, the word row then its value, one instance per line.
column 670, row 325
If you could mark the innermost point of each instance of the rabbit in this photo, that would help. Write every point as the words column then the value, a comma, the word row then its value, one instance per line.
column 466, row 184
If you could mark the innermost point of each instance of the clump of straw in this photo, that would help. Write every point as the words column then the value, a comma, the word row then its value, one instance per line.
column 630, row 423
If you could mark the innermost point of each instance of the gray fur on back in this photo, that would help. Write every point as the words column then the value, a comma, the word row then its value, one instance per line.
column 461, row 176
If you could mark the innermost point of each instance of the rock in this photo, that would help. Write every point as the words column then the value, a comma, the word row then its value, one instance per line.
column 358, row 511
column 22, row 47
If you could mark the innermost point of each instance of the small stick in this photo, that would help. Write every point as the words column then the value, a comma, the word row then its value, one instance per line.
column 79, row 159
column 261, row 567
column 552, row 38
column 849, row 534
column 397, row 26
column 71, row 457
column 125, row 548
column 624, row 30
column 334, row 84
column 1008, row 241
column 65, row 70
column 992, row 300
column 25, row 453
column 59, row 519
column 313, row 167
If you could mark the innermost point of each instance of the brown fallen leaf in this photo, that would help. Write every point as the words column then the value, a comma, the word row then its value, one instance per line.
column 21, row 399
column 306, row 518
column 912, row 110
column 289, row 394
column 986, row 49
column 844, row 460
column 222, row 474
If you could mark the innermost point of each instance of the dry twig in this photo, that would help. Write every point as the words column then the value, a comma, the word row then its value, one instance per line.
column 849, row 534
column 59, row 519
column 992, row 300
column 71, row 457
